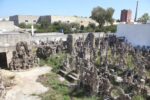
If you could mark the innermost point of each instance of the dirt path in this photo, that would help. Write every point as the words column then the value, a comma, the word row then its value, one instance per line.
column 26, row 86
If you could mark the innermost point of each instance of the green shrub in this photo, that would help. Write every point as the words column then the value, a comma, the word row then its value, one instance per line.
column 138, row 97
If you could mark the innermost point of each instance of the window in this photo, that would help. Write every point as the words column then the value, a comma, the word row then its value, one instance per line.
column 26, row 20
column 34, row 21
column 59, row 21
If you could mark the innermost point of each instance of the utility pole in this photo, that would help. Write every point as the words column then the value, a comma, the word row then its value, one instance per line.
column 136, row 12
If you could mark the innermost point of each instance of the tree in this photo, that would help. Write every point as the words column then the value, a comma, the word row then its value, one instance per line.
column 109, row 15
column 101, row 15
column 22, row 25
column 144, row 18
column 91, row 27
column 98, row 14
column 44, row 24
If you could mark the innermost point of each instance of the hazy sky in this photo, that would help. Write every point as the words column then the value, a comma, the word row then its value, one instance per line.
column 68, row 7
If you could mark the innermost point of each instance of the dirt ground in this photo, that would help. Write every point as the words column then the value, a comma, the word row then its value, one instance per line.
column 26, row 87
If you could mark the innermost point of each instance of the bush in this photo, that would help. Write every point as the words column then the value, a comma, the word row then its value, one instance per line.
column 138, row 97
column 55, row 61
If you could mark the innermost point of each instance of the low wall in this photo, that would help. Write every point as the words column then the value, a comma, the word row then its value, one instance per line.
column 10, row 39
column 44, row 37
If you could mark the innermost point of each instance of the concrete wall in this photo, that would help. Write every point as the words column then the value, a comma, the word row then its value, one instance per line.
column 10, row 39
column 7, row 26
column 45, row 37
column 45, row 34
column 8, row 43
column 137, row 34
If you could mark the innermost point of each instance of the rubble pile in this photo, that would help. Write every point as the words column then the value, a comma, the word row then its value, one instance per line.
column 2, row 89
column 6, row 82
column 23, row 58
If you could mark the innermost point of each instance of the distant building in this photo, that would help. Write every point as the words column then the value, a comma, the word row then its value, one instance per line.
column 46, row 18
column 82, row 21
column 29, row 19
column 126, row 16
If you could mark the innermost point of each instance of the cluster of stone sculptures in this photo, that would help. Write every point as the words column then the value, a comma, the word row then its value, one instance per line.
column 23, row 58
column 47, row 48
column 105, row 66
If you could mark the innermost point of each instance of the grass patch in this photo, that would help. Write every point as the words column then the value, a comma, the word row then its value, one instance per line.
column 129, row 60
column 57, row 89
column 55, row 61
column 138, row 97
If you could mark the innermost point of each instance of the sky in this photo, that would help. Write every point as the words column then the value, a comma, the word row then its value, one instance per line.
column 69, row 7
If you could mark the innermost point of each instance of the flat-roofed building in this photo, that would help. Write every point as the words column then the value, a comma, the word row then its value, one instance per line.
column 126, row 16
column 28, row 19
column 73, row 19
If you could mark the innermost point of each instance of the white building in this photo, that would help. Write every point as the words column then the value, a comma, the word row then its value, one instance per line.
column 137, row 34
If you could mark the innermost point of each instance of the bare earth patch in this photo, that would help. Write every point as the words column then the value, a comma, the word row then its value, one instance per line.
column 27, row 87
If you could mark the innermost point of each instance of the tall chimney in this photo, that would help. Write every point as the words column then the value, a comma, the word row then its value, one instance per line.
column 136, row 12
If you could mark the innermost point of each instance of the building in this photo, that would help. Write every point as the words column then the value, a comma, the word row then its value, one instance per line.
column 28, row 19
column 82, row 21
column 46, row 18
column 126, row 16
column 136, row 34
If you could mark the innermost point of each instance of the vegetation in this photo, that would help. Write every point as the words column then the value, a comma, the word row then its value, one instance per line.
column 138, row 97
column 99, row 14
column 69, row 28
column 55, row 61
column 102, row 15
column 23, row 25
column 58, row 27
column 144, row 18
column 58, row 90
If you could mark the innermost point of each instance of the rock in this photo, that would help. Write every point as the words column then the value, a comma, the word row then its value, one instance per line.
column 118, row 79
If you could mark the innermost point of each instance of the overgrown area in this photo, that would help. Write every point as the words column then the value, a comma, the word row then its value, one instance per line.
column 59, row 89
column 95, row 69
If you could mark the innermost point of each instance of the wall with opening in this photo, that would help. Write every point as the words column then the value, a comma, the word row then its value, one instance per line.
column 3, row 60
